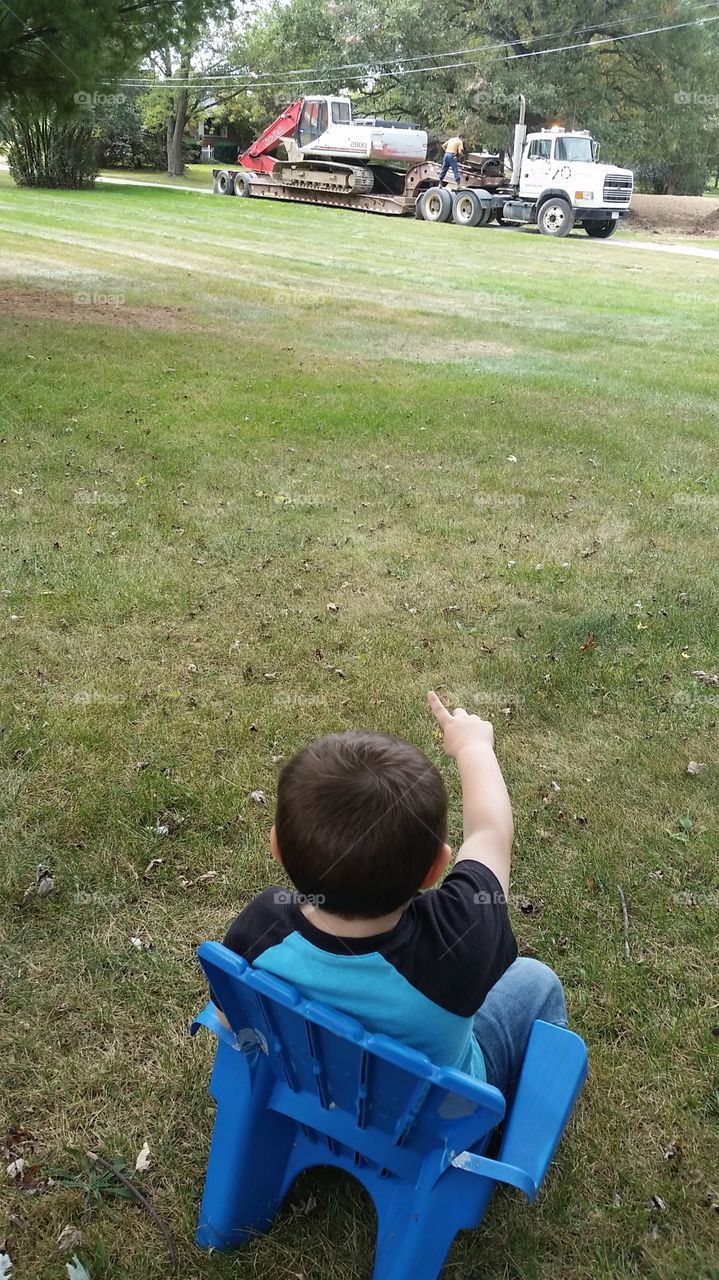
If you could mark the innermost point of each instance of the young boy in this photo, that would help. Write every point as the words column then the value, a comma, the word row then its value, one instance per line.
column 360, row 830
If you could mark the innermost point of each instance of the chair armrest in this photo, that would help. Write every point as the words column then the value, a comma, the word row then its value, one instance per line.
column 551, row 1079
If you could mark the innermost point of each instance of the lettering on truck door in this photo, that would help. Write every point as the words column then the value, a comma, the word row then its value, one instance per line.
column 535, row 167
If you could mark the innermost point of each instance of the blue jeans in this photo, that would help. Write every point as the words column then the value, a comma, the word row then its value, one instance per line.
column 527, row 990
column 450, row 162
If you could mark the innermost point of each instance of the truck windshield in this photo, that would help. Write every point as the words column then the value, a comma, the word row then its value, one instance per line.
column 574, row 149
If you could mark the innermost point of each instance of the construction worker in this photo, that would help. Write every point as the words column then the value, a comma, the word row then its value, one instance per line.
column 452, row 151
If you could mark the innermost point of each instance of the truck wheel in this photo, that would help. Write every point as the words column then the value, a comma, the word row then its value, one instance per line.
column 555, row 217
column 601, row 230
column 242, row 185
column 418, row 207
column 436, row 204
column 223, row 183
column 466, row 209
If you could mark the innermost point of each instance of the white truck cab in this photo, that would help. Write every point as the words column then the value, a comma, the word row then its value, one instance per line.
column 559, row 183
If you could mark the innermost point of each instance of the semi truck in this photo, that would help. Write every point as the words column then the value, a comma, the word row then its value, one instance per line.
column 315, row 153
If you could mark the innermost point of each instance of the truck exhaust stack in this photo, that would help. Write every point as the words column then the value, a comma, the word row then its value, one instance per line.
column 520, row 133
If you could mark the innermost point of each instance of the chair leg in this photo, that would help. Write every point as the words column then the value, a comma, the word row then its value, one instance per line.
column 248, row 1156
column 413, row 1240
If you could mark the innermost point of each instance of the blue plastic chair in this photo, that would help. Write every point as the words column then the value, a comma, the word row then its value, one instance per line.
column 298, row 1084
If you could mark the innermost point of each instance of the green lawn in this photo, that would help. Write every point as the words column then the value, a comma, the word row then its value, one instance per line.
column 496, row 454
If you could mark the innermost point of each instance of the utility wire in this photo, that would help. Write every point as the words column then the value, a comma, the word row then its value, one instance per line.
column 259, row 82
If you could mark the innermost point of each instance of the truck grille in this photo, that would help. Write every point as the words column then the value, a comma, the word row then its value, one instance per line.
column 617, row 190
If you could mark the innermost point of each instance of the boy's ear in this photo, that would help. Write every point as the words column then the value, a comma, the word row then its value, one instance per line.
column 438, row 868
column 274, row 846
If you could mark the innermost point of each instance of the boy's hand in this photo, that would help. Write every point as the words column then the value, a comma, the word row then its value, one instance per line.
column 460, row 729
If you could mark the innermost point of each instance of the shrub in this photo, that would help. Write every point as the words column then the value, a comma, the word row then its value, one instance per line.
column 50, row 150
column 225, row 152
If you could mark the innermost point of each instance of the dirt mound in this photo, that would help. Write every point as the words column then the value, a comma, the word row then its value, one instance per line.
column 678, row 215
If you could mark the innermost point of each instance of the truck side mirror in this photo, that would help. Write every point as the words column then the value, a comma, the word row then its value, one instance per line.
column 595, row 151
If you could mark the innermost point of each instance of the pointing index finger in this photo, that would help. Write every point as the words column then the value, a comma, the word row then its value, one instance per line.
column 439, row 711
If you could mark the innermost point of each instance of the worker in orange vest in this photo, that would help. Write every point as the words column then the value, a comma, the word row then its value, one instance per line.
column 452, row 151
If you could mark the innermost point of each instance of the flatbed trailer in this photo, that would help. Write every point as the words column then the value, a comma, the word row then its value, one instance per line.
column 420, row 178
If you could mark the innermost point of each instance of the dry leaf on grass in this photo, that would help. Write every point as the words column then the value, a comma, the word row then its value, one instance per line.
column 207, row 878
column 694, row 769
column 707, row 677
column 44, row 884
column 332, row 607
column 142, row 941
column 589, row 644
column 143, row 1158
column 69, row 1239
column 152, row 866
column 258, row 797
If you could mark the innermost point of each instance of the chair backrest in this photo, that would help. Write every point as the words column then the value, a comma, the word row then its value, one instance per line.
column 373, row 1095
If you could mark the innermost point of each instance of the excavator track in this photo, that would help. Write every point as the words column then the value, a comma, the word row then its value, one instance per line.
column 338, row 179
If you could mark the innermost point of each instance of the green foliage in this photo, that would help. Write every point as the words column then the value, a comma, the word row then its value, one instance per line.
column 50, row 150
column 54, row 51
column 225, row 152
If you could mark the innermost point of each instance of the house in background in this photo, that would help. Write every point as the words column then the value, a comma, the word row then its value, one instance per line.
column 209, row 133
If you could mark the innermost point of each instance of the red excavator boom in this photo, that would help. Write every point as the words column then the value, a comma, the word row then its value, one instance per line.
column 257, row 156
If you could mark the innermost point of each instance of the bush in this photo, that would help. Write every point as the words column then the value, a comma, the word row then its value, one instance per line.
column 682, row 178
column 225, row 152
column 51, row 151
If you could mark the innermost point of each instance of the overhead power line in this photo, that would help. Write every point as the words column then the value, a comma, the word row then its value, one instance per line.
column 374, row 74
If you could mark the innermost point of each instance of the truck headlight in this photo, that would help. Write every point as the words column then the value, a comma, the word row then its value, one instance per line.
column 583, row 195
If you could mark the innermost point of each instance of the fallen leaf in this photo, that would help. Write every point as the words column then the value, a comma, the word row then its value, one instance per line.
column 5, row 1265
column 707, row 678
column 550, row 796
column 207, row 878
column 44, row 884
column 142, row 941
column 511, row 457
column 16, row 1168
column 529, row 907
column 140, row 765
column 658, row 1204
column 589, row 643
column 675, row 1150
column 332, row 607
column 694, row 769
column 143, row 1158
column 69, row 1239
column 259, row 797
column 192, row 667
column 152, row 865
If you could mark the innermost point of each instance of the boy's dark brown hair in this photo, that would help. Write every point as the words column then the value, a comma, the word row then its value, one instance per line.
column 360, row 819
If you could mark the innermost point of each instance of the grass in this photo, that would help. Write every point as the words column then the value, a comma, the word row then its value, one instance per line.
column 496, row 454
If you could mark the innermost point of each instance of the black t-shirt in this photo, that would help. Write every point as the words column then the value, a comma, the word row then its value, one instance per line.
column 420, row 982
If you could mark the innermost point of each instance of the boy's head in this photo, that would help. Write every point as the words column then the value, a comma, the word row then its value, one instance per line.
column 361, row 822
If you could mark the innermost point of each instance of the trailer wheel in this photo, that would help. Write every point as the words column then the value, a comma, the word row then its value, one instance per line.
column 223, row 183
column 467, row 211
column 555, row 217
column 418, row 207
column 601, row 230
column 436, row 204
column 242, row 184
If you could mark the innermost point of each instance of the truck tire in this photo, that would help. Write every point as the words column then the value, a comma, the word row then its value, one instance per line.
column 467, row 210
column 436, row 204
column 418, row 207
column 242, row 184
column 601, row 230
column 555, row 217
column 223, row 184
